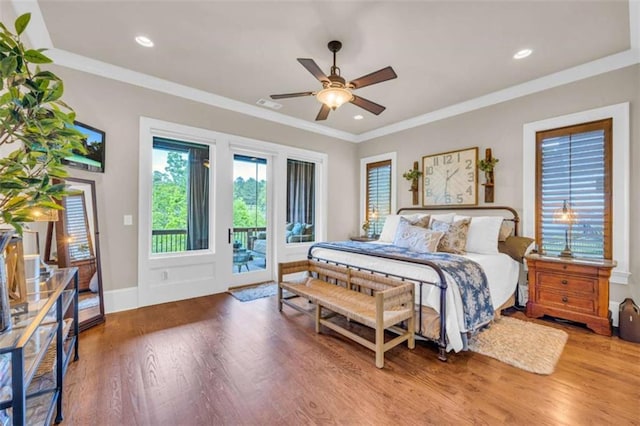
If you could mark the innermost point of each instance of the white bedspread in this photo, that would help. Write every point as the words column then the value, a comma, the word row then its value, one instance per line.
column 501, row 271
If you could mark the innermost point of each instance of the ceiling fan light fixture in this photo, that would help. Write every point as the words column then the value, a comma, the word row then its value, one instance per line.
column 334, row 97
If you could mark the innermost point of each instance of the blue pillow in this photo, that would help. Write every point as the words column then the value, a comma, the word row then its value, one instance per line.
column 297, row 229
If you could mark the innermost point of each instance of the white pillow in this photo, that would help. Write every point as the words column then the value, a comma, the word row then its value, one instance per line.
column 444, row 217
column 391, row 225
column 389, row 229
column 483, row 234
column 416, row 238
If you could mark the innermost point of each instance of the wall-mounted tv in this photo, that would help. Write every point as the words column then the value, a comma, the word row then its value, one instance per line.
column 93, row 160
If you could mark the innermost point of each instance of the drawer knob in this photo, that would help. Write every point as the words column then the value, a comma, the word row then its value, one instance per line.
column 565, row 299
column 565, row 282
column 564, row 266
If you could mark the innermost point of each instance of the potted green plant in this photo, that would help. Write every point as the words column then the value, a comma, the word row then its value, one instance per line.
column 487, row 166
column 36, row 124
column 412, row 175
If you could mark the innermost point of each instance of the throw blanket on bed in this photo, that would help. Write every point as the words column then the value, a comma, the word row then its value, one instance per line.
column 465, row 273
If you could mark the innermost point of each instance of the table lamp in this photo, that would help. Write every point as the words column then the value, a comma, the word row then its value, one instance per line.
column 565, row 215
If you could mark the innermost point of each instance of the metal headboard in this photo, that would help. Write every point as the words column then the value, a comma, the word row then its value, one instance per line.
column 515, row 217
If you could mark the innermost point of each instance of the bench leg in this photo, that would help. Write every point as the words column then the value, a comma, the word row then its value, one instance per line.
column 411, row 343
column 380, row 347
column 318, row 315
column 279, row 298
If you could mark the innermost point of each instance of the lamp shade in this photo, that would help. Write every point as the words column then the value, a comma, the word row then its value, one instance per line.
column 334, row 97
column 565, row 214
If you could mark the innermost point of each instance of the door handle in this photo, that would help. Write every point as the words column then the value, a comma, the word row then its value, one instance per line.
column 230, row 235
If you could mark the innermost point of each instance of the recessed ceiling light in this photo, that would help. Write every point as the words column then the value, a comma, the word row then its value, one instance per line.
column 522, row 54
column 144, row 41
column 358, row 117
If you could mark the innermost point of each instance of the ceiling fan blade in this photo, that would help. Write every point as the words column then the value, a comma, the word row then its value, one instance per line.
column 375, row 77
column 314, row 69
column 324, row 113
column 291, row 95
column 372, row 107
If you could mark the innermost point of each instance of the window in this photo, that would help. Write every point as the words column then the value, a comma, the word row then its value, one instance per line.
column 574, row 190
column 378, row 195
column 180, row 204
column 301, row 201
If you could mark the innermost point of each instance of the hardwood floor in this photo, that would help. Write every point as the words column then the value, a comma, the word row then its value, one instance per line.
column 215, row 360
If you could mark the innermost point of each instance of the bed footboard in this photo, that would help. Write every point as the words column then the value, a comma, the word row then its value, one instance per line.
column 441, row 284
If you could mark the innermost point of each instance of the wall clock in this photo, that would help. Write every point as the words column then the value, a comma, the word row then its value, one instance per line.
column 450, row 178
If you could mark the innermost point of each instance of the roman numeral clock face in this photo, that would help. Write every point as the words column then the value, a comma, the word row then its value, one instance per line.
column 450, row 178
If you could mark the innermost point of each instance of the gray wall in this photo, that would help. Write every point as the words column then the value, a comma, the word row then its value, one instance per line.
column 499, row 127
column 116, row 108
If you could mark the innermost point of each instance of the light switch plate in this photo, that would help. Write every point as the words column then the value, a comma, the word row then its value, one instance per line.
column 128, row 220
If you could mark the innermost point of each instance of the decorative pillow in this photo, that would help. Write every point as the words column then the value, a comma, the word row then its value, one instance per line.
column 297, row 228
column 418, row 219
column 416, row 238
column 516, row 247
column 308, row 230
column 454, row 239
column 444, row 217
column 391, row 222
column 506, row 229
column 288, row 226
column 483, row 234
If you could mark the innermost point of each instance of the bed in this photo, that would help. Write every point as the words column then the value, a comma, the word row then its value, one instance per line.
column 443, row 301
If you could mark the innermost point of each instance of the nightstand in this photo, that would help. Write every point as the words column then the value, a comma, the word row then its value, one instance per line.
column 572, row 289
column 363, row 239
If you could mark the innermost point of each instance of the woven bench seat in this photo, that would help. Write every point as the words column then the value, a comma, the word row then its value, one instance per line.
column 373, row 300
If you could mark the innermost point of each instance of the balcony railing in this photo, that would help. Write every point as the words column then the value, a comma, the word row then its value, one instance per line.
column 246, row 236
column 168, row 240
column 174, row 240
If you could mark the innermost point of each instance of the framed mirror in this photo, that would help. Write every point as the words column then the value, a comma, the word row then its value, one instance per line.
column 73, row 241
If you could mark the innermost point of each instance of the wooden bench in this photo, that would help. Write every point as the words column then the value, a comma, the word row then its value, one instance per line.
column 370, row 299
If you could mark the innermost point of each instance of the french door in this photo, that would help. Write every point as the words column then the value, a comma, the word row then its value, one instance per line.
column 250, row 236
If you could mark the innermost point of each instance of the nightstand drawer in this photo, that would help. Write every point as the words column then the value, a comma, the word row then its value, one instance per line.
column 570, row 269
column 566, row 301
column 567, row 282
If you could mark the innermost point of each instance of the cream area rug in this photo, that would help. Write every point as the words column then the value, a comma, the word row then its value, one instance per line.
column 526, row 345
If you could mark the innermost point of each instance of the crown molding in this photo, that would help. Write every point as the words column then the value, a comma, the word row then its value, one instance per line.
column 38, row 35
column 114, row 72
column 570, row 75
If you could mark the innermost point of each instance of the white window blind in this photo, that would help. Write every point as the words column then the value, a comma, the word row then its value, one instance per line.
column 574, row 174
column 378, row 194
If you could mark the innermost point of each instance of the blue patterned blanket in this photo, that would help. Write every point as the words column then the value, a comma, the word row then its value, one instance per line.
column 465, row 273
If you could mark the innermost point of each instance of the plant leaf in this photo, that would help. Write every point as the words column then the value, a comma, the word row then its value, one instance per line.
column 22, row 22
column 36, row 57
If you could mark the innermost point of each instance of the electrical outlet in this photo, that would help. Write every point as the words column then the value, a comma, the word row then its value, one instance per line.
column 128, row 220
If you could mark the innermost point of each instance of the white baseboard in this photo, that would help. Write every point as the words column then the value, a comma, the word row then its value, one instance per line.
column 122, row 299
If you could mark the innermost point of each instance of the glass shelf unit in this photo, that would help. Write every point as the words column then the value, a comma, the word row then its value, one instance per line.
column 31, row 378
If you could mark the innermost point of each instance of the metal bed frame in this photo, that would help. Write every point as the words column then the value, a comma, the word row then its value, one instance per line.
column 442, row 282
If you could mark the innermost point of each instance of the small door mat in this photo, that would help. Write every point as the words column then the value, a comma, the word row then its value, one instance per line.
column 526, row 345
column 247, row 294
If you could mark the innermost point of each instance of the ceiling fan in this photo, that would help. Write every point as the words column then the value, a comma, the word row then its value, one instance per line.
column 335, row 90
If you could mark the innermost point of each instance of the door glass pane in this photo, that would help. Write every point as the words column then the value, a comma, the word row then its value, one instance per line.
column 250, row 244
column 301, row 202
column 180, row 209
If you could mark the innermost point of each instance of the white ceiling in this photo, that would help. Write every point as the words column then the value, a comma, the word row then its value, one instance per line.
column 444, row 52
